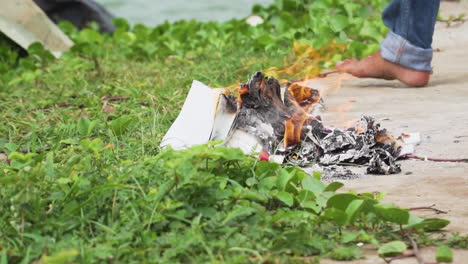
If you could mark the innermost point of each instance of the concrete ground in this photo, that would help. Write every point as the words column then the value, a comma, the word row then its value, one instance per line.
column 439, row 112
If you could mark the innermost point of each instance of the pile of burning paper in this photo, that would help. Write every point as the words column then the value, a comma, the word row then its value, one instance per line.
column 282, row 125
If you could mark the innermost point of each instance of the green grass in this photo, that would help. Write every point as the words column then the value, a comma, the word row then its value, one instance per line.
column 40, row 114
column 86, row 181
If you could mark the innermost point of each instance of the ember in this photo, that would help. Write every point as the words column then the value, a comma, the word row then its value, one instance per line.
column 282, row 124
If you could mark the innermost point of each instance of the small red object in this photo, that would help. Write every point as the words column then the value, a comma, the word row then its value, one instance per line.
column 264, row 155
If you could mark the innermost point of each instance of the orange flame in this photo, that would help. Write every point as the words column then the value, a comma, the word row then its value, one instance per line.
column 305, row 61
column 293, row 129
column 304, row 99
column 383, row 137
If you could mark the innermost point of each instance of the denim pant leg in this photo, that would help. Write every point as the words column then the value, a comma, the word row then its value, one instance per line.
column 409, row 43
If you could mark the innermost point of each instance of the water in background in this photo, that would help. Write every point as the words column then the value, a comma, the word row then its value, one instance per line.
column 154, row 12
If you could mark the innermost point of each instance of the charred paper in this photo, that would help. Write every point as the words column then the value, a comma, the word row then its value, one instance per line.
column 266, row 119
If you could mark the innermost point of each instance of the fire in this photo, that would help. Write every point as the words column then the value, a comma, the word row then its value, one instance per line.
column 281, row 123
column 305, row 61
column 243, row 89
column 264, row 94
column 298, row 104
column 303, row 99
column 306, row 97
column 293, row 129
column 382, row 136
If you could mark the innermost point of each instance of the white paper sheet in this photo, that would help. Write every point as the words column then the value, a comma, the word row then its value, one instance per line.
column 194, row 124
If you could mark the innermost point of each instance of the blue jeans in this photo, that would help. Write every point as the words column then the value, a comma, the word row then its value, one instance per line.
column 409, row 43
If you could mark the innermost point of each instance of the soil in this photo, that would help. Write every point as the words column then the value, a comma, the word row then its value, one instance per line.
column 439, row 112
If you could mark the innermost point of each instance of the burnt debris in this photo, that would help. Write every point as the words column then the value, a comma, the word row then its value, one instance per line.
column 283, row 125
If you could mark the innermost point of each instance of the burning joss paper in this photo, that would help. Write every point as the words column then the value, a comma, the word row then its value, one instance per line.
column 280, row 122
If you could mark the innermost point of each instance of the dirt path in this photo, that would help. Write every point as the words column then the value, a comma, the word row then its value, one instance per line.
column 440, row 113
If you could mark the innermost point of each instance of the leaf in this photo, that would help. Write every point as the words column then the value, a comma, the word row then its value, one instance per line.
column 86, row 126
column 429, row 224
column 341, row 200
column 347, row 237
column 264, row 40
column 305, row 195
column 371, row 31
column 434, row 224
column 266, row 169
column 317, row 175
column 366, row 195
column 313, row 185
column 286, row 198
column 120, row 125
column 298, row 175
column 229, row 154
column 11, row 147
column 267, row 183
column 283, row 179
column 346, row 253
column 336, row 215
column 65, row 256
column 392, row 249
column 39, row 50
column 333, row 187
column 338, row 22
column 49, row 165
column 20, row 156
column 90, row 36
column 380, row 196
column 95, row 145
column 83, row 126
column 281, row 216
column 312, row 206
column 251, row 195
column 238, row 212
column 353, row 209
column 251, row 181
column 3, row 257
column 392, row 214
column 368, row 206
column 444, row 254
column 414, row 220
column 121, row 24
column 67, row 27
column 125, row 37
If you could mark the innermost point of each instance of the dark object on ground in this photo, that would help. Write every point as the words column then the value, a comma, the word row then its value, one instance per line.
column 284, row 125
column 79, row 12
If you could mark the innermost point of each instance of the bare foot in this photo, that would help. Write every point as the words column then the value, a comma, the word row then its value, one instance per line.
column 374, row 66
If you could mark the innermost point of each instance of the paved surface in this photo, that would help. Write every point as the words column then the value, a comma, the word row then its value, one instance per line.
column 440, row 113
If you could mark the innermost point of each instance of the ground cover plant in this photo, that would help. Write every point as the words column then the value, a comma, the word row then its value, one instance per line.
column 83, row 179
